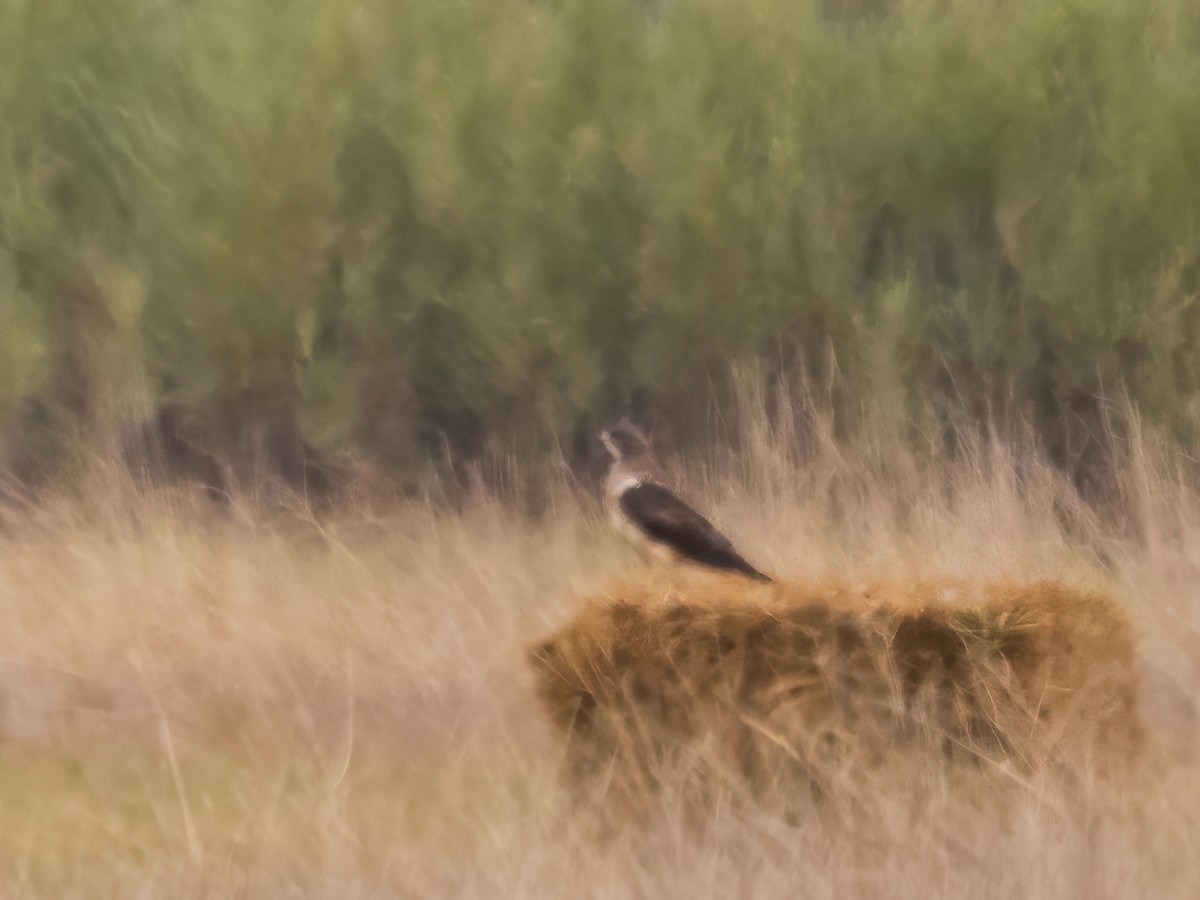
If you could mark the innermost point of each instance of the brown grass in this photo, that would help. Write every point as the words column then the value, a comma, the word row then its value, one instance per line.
column 786, row 686
column 228, row 705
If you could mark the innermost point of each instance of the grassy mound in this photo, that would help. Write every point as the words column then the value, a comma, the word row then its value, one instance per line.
column 796, row 685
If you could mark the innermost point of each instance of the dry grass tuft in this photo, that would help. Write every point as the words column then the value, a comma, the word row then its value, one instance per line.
column 786, row 687
column 232, row 704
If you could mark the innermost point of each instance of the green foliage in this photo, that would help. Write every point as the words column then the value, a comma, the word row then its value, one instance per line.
column 410, row 222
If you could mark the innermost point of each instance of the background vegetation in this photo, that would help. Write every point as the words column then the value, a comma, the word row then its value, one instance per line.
column 423, row 230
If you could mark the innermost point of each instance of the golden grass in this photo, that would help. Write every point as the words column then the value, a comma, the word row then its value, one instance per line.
column 782, row 686
column 222, row 705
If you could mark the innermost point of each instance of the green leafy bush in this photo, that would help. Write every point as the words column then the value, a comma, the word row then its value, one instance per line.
column 412, row 228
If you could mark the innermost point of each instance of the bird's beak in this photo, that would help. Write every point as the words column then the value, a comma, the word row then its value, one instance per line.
column 606, row 440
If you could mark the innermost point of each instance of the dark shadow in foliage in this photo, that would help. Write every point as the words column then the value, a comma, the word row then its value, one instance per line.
column 255, row 450
column 61, row 415
column 167, row 449
column 426, row 376
column 999, row 366
column 453, row 381
column 851, row 11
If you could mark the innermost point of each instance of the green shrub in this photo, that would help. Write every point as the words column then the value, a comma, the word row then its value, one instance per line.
column 409, row 227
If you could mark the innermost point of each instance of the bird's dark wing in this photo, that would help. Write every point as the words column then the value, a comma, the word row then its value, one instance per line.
column 664, row 518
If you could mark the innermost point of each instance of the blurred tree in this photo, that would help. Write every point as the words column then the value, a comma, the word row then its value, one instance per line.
column 417, row 232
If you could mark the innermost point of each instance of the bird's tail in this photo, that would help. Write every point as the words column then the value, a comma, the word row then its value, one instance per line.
column 750, row 572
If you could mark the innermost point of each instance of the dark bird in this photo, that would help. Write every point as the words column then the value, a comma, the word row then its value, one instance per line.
column 650, row 513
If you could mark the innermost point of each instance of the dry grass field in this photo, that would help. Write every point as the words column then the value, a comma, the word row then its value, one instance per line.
column 204, row 703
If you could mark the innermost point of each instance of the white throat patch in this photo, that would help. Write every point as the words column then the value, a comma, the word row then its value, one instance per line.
column 630, row 481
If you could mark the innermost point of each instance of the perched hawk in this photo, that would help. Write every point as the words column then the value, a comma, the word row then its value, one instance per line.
column 646, row 510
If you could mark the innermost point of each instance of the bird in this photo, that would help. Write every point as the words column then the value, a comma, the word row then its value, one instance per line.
column 649, row 512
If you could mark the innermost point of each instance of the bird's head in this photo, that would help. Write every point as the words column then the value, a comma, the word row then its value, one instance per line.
column 625, row 441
